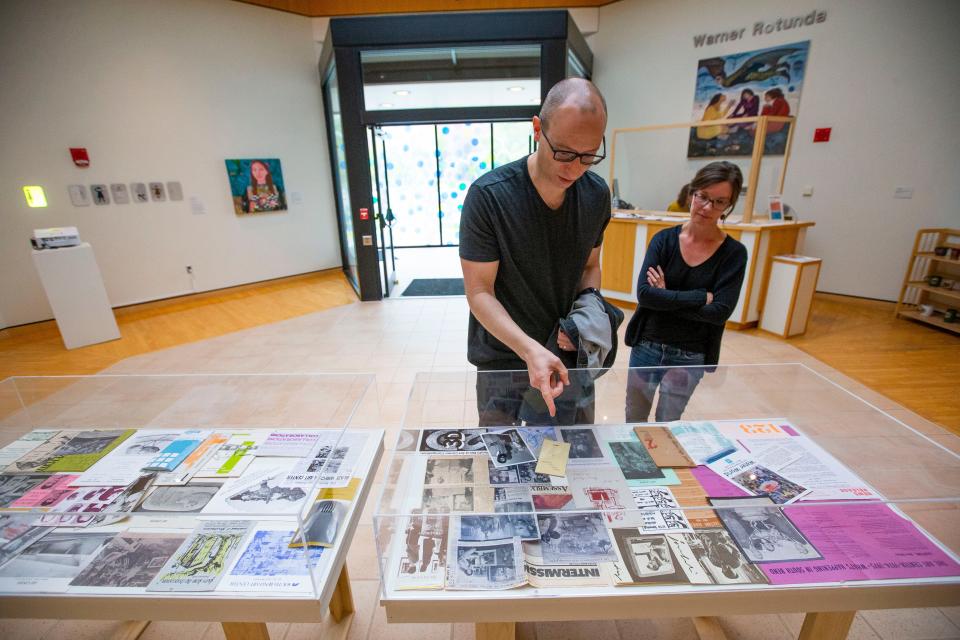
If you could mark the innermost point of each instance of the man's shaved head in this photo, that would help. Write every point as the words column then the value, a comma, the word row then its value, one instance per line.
column 575, row 92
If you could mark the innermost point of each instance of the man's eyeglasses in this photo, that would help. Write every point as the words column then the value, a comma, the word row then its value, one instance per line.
column 562, row 155
column 719, row 204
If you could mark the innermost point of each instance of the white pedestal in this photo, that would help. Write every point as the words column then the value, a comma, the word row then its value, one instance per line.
column 793, row 281
column 76, row 293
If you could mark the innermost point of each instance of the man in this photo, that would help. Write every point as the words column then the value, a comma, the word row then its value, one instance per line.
column 530, row 237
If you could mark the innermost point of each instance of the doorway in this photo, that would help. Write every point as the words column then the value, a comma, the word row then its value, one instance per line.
column 422, row 173
column 416, row 112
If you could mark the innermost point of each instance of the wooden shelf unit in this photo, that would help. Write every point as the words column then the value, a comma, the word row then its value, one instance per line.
column 924, row 263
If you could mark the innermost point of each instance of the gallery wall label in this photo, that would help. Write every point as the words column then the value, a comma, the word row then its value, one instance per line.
column 139, row 191
column 100, row 194
column 79, row 195
column 120, row 193
column 157, row 192
column 760, row 28
column 175, row 191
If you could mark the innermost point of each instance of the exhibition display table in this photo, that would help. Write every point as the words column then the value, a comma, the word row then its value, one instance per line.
column 778, row 491
column 226, row 498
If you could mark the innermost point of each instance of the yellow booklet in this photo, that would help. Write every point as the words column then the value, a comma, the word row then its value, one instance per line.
column 553, row 458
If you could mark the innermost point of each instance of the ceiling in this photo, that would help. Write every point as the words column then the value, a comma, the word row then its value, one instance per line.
column 323, row 8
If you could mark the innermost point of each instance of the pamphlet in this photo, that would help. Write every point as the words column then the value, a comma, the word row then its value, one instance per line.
column 199, row 563
column 123, row 465
column 85, row 449
column 663, row 447
column 177, row 451
column 701, row 441
column 553, row 458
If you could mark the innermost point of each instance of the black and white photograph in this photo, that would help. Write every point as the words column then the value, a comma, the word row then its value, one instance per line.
column 635, row 461
column 41, row 455
column 130, row 560
column 14, row 486
column 16, row 534
column 86, row 442
column 762, row 531
column 447, row 499
column 709, row 556
column 584, row 446
column 574, row 537
column 519, row 474
column 190, row 498
column 451, row 441
column 486, row 565
column 647, row 558
column 507, row 448
column 449, row 470
column 761, row 481
column 423, row 561
column 53, row 560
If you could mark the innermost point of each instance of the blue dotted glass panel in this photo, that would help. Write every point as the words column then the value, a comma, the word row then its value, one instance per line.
column 464, row 157
column 411, row 166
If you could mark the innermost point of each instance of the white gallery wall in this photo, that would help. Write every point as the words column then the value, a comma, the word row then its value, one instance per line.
column 160, row 91
column 882, row 73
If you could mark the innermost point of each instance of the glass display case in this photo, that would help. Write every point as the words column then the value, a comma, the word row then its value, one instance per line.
column 231, row 498
column 683, row 491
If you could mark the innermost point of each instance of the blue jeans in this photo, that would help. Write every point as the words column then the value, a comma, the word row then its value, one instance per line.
column 676, row 385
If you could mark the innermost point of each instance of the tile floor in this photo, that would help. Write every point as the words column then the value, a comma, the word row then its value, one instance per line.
column 396, row 339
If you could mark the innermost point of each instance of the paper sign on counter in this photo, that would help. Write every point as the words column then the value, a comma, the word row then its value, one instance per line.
column 553, row 458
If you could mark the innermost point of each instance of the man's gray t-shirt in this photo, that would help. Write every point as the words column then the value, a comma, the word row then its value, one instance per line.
column 542, row 252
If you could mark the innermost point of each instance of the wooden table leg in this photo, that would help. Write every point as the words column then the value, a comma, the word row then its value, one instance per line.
column 823, row 625
column 245, row 630
column 130, row 630
column 709, row 628
column 496, row 630
column 341, row 604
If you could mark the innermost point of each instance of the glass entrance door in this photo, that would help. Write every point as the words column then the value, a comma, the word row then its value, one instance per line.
column 425, row 171
column 348, row 247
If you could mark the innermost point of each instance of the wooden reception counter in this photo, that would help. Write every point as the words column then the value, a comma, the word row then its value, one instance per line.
column 629, row 233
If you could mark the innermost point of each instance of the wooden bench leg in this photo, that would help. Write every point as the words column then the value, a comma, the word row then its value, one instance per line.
column 245, row 630
column 832, row 625
column 709, row 628
column 496, row 630
column 130, row 630
column 341, row 604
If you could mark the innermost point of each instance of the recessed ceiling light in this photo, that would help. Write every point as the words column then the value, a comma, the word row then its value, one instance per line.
column 386, row 105
column 515, row 89
column 401, row 92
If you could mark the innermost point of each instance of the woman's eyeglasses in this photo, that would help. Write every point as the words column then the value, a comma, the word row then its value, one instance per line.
column 717, row 203
column 561, row 155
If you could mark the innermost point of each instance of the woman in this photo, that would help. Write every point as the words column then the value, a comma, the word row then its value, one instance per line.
column 714, row 111
column 774, row 104
column 682, row 203
column 748, row 106
column 262, row 194
column 689, row 285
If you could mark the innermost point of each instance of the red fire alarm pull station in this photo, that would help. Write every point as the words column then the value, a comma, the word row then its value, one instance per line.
column 822, row 135
column 364, row 214
column 80, row 157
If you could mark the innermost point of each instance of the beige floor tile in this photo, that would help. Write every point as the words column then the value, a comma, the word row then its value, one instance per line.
column 365, row 602
column 578, row 630
column 276, row 631
column 658, row 629
column 83, row 629
column 911, row 624
column 26, row 629
column 859, row 630
column 166, row 630
column 953, row 614
column 759, row 627
column 380, row 629
column 467, row 631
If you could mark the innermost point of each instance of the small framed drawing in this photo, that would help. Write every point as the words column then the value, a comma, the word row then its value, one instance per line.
column 775, row 207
